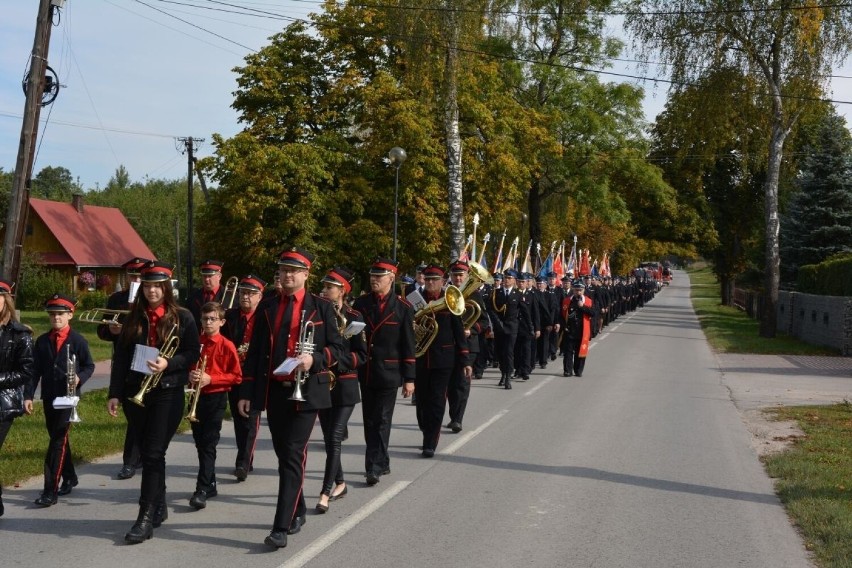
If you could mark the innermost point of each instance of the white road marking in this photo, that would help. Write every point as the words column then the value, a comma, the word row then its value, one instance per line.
column 538, row 386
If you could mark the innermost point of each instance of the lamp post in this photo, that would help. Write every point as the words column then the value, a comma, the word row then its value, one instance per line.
column 396, row 156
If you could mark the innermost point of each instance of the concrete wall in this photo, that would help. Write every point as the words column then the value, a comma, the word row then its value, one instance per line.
column 820, row 320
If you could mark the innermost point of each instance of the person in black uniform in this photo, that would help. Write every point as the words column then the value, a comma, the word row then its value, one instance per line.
column 528, row 330
column 418, row 281
column 458, row 392
column 51, row 354
column 557, row 293
column 577, row 315
column 277, row 333
column 239, row 328
column 435, row 366
column 155, row 320
column 211, row 289
column 123, row 300
column 16, row 365
column 504, row 309
column 492, row 360
column 390, row 362
column 346, row 393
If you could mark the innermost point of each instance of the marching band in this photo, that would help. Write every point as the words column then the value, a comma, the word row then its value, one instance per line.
column 304, row 358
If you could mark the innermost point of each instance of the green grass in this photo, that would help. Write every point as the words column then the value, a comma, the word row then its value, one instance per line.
column 814, row 480
column 730, row 330
column 38, row 320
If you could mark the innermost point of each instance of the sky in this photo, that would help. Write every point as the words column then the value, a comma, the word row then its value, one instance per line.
column 135, row 77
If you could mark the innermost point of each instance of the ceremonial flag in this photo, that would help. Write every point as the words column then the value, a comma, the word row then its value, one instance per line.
column 526, row 266
column 585, row 267
column 558, row 264
column 572, row 260
column 484, row 244
column 499, row 258
column 546, row 267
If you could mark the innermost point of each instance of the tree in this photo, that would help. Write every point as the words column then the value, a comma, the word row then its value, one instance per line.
column 790, row 45
column 818, row 223
column 54, row 183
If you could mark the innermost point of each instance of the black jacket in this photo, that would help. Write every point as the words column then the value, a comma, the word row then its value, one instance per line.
column 261, row 361
column 504, row 310
column 125, row 383
column 195, row 302
column 390, row 342
column 51, row 368
column 449, row 347
column 346, row 391
column 16, row 368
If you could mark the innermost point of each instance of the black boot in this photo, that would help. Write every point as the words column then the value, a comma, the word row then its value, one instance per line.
column 144, row 527
column 161, row 513
column 508, row 384
column 502, row 380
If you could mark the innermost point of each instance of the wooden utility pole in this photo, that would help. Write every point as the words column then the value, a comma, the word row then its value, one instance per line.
column 16, row 219
column 190, row 162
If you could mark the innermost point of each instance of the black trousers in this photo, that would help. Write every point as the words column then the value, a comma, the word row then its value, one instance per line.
column 132, row 454
column 430, row 385
column 542, row 348
column 333, row 422
column 523, row 355
column 245, row 431
column 377, row 406
column 458, row 394
column 5, row 425
column 572, row 362
column 290, row 429
column 157, row 423
column 206, row 432
column 504, row 349
column 554, row 342
column 57, row 460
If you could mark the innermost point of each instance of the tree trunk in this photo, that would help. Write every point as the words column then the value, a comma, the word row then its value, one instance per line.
column 726, row 285
column 772, row 270
column 453, row 138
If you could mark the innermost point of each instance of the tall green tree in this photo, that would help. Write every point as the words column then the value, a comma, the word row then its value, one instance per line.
column 818, row 223
column 789, row 45
column 54, row 183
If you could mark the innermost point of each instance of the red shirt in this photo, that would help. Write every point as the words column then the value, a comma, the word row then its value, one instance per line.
column 223, row 364
column 154, row 315
column 58, row 337
column 299, row 298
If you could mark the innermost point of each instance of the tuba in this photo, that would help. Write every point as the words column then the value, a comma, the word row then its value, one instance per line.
column 150, row 381
column 305, row 346
column 425, row 324
column 477, row 276
column 70, row 400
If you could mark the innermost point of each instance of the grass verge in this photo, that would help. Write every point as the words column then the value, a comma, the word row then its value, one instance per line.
column 730, row 330
column 814, row 480
column 101, row 350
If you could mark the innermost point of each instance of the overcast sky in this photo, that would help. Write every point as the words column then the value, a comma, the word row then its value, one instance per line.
column 135, row 78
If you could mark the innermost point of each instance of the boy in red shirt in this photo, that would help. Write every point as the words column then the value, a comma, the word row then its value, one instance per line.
column 221, row 372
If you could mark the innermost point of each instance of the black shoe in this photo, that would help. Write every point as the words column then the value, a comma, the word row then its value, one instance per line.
column 543, row 365
column 340, row 495
column 567, row 374
column 553, row 357
column 372, row 478
column 578, row 374
column 386, row 471
column 456, row 427
column 525, row 377
column 67, row 486
column 296, row 525
column 46, row 500
column 428, row 453
column 508, row 385
column 126, row 472
column 199, row 498
column 143, row 529
column 240, row 473
column 161, row 514
column 502, row 380
column 276, row 539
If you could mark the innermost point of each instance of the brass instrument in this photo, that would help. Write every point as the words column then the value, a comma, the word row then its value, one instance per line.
column 477, row 276
column 150, row 381
column 195, row 393
column 305, row 346
column 70, row 400
column 102, row 316
column 425, row 324
column 230, row 293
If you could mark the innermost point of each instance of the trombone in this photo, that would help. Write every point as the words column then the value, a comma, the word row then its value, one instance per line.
column 195, row 393
column 230, row 293
column 102, row 316
column 150, row 381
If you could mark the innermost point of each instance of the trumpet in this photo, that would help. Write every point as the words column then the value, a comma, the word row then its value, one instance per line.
column 150, row 381
column 425, row 324
column 305, row 346
column 230, row 293
column 195, row 393
column 70, row 399
column 102, row 316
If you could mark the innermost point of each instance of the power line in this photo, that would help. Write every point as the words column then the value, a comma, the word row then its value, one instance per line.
column 195, row 26
column 8, row 114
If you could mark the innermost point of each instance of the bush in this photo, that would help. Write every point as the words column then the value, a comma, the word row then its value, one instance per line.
column 37, row 284
column 832, row 277
column 92, row 300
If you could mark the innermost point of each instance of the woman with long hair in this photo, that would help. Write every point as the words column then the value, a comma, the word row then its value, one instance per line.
column 16, row 364
column 155, row 320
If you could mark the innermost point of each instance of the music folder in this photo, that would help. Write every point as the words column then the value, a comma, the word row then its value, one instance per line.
column 417, row 300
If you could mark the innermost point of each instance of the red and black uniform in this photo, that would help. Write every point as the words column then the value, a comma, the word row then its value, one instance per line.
column 199, row 297
column 223, row 366
column 239, row 328
column 576, row 318
column 51, row 353
column 433, row 371
column 274, row 338
column 390, row 362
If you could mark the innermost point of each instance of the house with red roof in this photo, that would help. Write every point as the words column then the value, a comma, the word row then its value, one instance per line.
column 88, row 243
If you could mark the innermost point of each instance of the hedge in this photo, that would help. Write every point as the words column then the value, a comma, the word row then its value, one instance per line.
column 832, row 277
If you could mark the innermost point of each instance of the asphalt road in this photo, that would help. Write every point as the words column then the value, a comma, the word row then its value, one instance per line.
column 642, row 462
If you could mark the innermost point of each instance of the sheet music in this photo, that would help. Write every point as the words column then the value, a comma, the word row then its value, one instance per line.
column 287, row 367
column 141, row 355
column 354, row 328
column 416, row 299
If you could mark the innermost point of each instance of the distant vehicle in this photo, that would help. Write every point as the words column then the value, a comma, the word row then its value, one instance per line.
column 653, row 269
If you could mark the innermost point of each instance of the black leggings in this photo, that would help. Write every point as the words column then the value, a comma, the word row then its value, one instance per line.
column 333, row 422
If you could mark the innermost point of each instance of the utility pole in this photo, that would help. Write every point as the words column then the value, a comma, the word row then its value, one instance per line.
column 16, row 219
column 189, row 142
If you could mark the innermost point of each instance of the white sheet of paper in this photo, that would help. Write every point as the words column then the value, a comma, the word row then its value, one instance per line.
column 141, row 355
column 417, row 300
column 354, row 327
column 287, row 367
column 134, row 290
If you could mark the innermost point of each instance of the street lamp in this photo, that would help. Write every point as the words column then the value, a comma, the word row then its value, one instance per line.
column 396, row 156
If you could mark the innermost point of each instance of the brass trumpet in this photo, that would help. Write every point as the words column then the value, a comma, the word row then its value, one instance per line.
column 230, row 293
column 150, row 381
column 195, row 393
column 102, row 316
column 425, row 324
column 70, row 400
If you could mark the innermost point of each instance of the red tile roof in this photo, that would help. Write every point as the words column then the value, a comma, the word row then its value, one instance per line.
column 99, row 236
